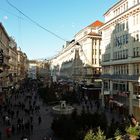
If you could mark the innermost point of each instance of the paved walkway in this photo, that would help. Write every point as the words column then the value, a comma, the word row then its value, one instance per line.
column 45, row 112
column 109, row 115
column 39, row 130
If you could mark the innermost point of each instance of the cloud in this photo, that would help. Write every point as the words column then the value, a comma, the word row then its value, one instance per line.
column 5, row 17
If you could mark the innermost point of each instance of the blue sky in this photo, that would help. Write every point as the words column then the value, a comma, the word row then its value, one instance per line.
column 63, row 17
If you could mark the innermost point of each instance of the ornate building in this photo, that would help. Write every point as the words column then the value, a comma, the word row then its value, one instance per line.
column 13, row 62
column 121, row 59
column 80, row 58
column 4, row 59
column 22, row 65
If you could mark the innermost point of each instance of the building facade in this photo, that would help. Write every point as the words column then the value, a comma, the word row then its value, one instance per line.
column 13, row 62
column 4, row 61
column 22, row 65
column 80, row 58
column 121, row 58
column 32, row 70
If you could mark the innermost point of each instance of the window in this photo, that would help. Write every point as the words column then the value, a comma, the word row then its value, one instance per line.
column 99, row 42
column 120, row 40
column 126, row 37
column 94, row 42
column 127, row 70
column 123, row 26
column 137, row 37
column 95, row 51
column 136, row 69
column 99, row 61
column 123, row 53
column 126, row 5
column 99, row 51
column 134, row 52
column 123, row 39
column 137, row 51
column 95, row 61
column 106, row 85
column 126, row 25
column 134, row 2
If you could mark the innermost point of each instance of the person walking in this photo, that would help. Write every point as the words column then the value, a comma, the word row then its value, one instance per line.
column 0, row 135
column 39, row 120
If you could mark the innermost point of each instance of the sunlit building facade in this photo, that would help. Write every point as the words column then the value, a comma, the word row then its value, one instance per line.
column 80, row 59
column 32, row 69
column 22, row 65
column 13, row 62
column 121, row 58
column 4, row 59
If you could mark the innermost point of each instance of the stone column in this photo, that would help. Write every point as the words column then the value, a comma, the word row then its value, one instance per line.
column 130, row 98
column 111, row 87
column 102, row 94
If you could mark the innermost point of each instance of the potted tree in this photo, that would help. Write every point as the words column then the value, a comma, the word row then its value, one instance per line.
column 133, row 132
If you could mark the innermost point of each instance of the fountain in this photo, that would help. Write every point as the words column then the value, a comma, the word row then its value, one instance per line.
column 63, row 108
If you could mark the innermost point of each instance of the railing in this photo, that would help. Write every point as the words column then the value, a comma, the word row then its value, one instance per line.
column 121, row 77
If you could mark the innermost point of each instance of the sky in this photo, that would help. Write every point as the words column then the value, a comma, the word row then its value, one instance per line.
column 64, row 18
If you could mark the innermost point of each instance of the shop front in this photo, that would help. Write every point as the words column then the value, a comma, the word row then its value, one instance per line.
column 136, row 100
column 136, row 109
column 119, row 102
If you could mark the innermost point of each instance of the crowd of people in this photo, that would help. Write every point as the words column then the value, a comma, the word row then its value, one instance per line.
column 19, row 111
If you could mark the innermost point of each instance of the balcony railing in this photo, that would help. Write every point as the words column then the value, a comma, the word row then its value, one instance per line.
column 121, row 77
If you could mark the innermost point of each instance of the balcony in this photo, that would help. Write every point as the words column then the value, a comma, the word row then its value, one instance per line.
column 120, row 77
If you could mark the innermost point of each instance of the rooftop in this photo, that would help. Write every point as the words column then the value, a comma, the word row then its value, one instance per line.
column 97, row 23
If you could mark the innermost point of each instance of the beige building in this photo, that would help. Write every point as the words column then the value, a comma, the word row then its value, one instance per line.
column 43, row 70
column 79, row 60
column 22, row 65
column 32, row 69
column 39, row 69
column 121, row 59
column 13, row 62
column 4, row 59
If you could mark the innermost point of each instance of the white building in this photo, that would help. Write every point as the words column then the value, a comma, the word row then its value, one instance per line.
column 32, row 71
column 80, row 59
column 121, row 59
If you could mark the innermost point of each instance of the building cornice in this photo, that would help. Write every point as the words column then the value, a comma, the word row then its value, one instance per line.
column 1, row 25
column 123, row 15
column 114, row 6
